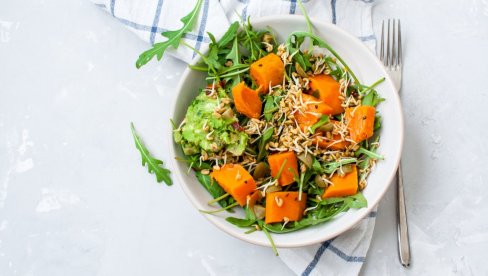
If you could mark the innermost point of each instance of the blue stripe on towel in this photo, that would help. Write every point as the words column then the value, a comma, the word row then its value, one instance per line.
column 244, row 10
column 344, row 256
column 333, row 8
column 316, row 258
column 293, row 6
column 201, row 29
column 367, row 37
column 142, row 27
column 112, row 7
column 160, row 30
column 372, row 214
column 154, row 27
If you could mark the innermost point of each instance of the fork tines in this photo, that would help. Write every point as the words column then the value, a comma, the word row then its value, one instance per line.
column 391, row 44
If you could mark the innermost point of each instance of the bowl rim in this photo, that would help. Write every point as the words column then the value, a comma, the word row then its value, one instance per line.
column 362, row 212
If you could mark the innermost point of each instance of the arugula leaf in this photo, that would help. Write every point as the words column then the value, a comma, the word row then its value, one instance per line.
column 229, row 35
column 372, row 99
column 236, row 60
column 213, row 57
column 370, row 154
column 246, row 222
column 332, row 166
column 263, row 228
column 365, row 159
column 358, row 201
column 323, row 120
column 251, row 41
column 173, row 37
column 316, row 166
column 305, row 14
column 212, row 38
column 195, row 163
column 268, row 133
column 153, row 165
column 240, row 222
column 377, row 122
column 270, row 107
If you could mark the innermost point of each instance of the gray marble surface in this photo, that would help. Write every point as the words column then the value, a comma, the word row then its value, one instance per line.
column 74, row 199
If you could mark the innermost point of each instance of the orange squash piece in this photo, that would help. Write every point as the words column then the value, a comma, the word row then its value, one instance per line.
column 330, row 143
column 343, row 185
column 247, row 101
column 284, row 204
column 266, row 71
column 315, row 109
column 360, row 122
column 236, row 181
column 327, row 89
column 290, row 169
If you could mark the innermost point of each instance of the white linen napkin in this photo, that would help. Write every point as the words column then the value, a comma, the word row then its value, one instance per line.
column 345, row 254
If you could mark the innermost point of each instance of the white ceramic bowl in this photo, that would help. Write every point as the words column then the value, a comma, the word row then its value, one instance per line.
column 368, row 69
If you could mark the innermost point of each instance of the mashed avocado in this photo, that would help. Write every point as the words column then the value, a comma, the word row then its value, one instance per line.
column 208, row 126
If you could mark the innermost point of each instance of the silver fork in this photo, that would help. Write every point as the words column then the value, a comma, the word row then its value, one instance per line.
column 391, row 56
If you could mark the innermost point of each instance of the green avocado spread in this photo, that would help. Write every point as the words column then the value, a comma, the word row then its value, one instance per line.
column 208, row 126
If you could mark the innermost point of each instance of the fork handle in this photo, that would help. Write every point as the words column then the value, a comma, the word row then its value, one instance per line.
column 403, row 243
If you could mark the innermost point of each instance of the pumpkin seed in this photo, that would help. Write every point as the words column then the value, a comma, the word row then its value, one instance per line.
column 300, row 70
column 272, row 189
column 268, row 38
column 345, row 169
column 228, row 114
column 319, row 181
column 259, row 211
column 326, row 127
column 261, row 170
column 306, row 158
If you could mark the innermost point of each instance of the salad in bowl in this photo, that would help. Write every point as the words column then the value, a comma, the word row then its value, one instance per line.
column 282, row 135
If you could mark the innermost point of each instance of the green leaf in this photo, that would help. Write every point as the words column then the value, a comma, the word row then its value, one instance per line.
column 229, row 35
column 263, row 227
column 240, row 222
column 195, row 163
column 365, row 159
column 316, row 166
column 173, row 37
column 153, row 165
column 270, row 107
column 268, row 133
column 251, row 41
column 212, row 38
column 330, row 167
column 370, row 154
column 371, row 87
column 236, row 60
column 248, row 221
column 323, row 120
column 358, row 201
column 305, row 14
column 377, row 122
column 372, row 99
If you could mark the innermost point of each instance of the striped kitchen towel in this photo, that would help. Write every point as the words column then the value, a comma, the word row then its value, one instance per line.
column 345, row 254
column 148, row 18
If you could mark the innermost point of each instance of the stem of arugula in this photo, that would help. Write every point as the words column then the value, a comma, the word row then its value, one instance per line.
column 204, row 58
